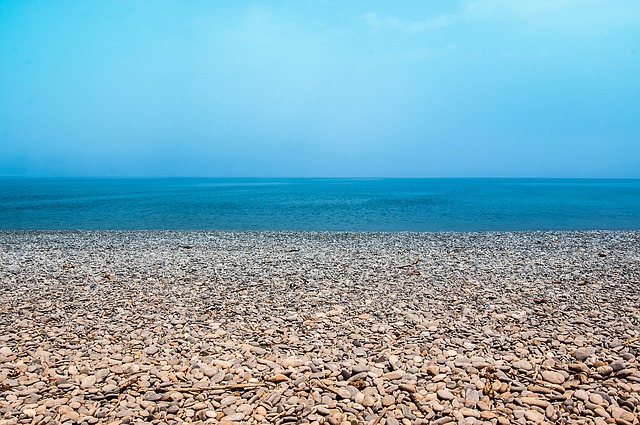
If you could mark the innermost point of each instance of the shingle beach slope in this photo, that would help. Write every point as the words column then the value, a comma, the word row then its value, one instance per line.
column 241, row 327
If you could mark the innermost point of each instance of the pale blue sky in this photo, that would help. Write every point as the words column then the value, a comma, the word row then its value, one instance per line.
column 486, row 88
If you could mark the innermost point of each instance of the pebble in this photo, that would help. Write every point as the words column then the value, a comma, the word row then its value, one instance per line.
column 151, row 396
column 596, row 399
column 604, row 370
column 534, row 416
column 535, row 401
column 552, row 377
column 88, row 382
column 235, row 417
column 388, row 400
column 445, row 395
column 581, row 395
column 392, row 421
column 281, row 327
column 583, row 353
column 523, row 365
column 392, row 376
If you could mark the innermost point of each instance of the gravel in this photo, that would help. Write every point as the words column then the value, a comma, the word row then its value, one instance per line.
column 319, row 327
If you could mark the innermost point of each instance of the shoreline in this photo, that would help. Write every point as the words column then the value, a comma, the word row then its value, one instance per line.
column 323, row 327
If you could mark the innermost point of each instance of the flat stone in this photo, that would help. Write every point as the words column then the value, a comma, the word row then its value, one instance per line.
column 368, row 401
column 472, row 395
column 581, row 354
column 88, row 382
column 151, row 350
column 601, row 412
column 534, row 401
column 392, row 376
column 388, row 400
column 581, row 395
column 433, row 370
column 71, row 416
column 235, row 417
column 445, row 395
column 552, row 377
column 277, row 378
column 151, row 396
column 523, row 365
column 407, row 387
column 596, row 398
column 623, row 414
column 604, row 370
column 534, row 416
column 466, row 412
column 392, row 421
column 228, row 401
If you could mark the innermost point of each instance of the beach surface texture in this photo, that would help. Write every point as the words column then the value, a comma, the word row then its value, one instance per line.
column 303, row 327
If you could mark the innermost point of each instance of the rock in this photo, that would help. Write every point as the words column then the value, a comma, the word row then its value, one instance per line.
column 151, row 396
column 88, row 382
column 581, row 395
column 277, row 378
column 596, row 399
column 292, row 361
column 445, row 395
column 388, row 400
column 343, row 393
column 29, row 412
column 623, row 414
column 466, row 412
column 488, row 415
column 208, row 371
column 535, row 401
column 235, row 417
column 579, row 367
column 552, row 377
column 550, row 412
column 357, row 369
column 472, row 396
column 368, row 401
column 407, row 387
column 604, row 370
column 228, row 401
column 71, row 415
column 443, row 421
column 151, row 350
column 534, row 416
column 523, row 365
column 437, row 407
column 601, row 412
column 392, row 421
column 539, row 389
column 581, row 354
column 392, row 376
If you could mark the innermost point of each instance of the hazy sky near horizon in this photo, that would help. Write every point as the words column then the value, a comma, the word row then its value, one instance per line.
column 442, row 88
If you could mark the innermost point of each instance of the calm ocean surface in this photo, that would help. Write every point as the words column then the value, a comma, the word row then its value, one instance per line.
column 320, row 204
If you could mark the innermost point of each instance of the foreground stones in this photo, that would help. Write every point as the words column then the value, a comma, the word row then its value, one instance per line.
column 334, row 328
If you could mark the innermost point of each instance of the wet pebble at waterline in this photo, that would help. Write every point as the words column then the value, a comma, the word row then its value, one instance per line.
column 320, row 328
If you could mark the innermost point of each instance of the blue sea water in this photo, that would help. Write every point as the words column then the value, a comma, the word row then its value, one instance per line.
column 319, row 204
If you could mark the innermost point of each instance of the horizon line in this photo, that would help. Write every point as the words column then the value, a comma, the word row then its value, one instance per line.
column 314, row 177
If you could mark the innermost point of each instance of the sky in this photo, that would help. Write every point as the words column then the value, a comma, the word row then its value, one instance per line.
column 320, row 88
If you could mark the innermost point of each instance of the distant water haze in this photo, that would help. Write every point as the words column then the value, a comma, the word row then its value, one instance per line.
column 370, row 205
column 463, row 88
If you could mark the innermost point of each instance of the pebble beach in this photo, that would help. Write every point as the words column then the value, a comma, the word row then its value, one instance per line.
column 319, row 327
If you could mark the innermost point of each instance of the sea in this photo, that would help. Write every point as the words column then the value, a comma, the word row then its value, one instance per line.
column 309, row 204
